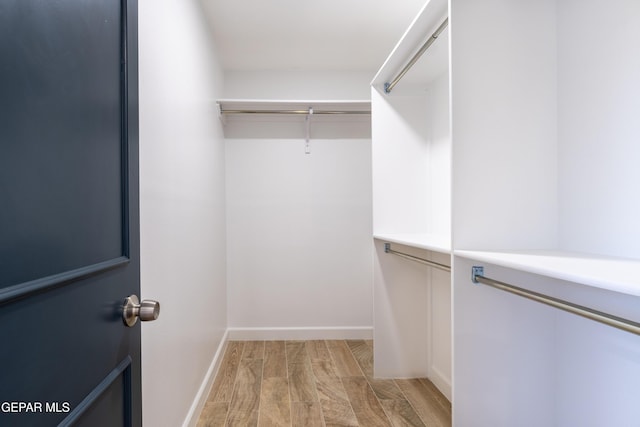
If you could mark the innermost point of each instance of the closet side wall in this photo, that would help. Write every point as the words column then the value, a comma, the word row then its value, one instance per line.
column 504, row 125
column 181, row 208
column 599, row 106
column 401, row 183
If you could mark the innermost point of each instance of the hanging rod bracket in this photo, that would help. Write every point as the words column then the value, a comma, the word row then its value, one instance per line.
column 387, row 247
column 476, row 271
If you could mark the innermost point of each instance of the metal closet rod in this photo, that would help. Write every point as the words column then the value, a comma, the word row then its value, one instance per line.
column 304, row 112
column 387, row 249
column 388, row 87
column 477, row 276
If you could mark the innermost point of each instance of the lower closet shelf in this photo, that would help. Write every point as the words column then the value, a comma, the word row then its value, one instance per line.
column 614, row 274
column 429, row 242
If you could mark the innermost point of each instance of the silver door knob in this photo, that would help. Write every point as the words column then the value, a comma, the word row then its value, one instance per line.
column 133, row 309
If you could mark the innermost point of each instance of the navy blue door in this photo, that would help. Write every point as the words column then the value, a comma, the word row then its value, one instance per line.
column 69, row 245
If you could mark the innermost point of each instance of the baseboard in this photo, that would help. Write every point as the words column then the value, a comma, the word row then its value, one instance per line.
column 441, row 381
column 301, row 333
column 203, row 392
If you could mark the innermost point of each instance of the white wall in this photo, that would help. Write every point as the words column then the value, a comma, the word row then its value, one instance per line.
column 299, row 238
column 412, row 162
column 598, row 109
column 303, row 85
column 504, row 169
column 182, row 206
column 401, row 180
column 299, row 225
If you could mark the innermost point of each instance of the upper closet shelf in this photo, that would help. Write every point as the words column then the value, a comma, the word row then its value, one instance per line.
column 428, row 34
column 614, row 274
column 237, row 107
column 295, row 119
column 429, row 242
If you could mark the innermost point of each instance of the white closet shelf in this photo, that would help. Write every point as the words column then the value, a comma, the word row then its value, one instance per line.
column 429, row 242
column 614, row 274
column 270, row 105
column 432, row 64
column 270, row 118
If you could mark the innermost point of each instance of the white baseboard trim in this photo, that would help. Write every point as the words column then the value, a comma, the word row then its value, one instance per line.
column 203, row 392
column 301, row 333
column 441, row 381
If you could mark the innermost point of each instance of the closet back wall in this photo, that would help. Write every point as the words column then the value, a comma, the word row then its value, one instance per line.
column 299, row 238
column 297, row 84
column 299, row 247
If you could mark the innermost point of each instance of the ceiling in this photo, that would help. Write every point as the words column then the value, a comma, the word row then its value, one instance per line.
column 335, row 35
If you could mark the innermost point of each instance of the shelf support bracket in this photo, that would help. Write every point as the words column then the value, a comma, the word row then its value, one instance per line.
column 307, row 119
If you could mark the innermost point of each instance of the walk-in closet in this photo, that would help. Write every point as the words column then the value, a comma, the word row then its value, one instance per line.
column 463, row 210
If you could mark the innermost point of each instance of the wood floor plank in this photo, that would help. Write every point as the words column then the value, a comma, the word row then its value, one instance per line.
column 306, row 414
column 276, row 414
column 363, row 355
column 213, row 414
column 245, row 403
column 317, row 350
column 437, row 394
column 336, row 408
column 275, row 407
column 275, row 389
column 386, row 389
column 401, row 414
column 365, row 404
column 343, row 359
column 275, row 360
column 425, row 403
column 324, row 369
column 253, row 350
column 296, row 352
column 331, row 389
column 302, row 386
column 222, row 389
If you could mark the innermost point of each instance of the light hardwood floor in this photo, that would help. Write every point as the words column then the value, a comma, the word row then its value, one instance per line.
column 316, row 383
